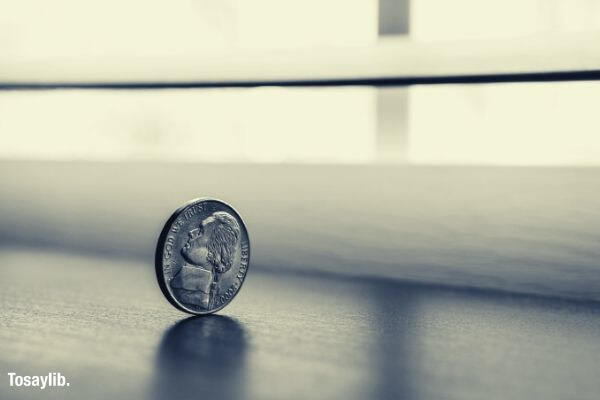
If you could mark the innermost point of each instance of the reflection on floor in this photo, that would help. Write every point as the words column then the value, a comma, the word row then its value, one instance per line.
column 103, row 323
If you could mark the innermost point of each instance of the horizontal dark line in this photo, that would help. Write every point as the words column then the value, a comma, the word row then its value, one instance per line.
column 382, row 81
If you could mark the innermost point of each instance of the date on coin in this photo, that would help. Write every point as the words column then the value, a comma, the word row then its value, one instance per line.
column 202, row 256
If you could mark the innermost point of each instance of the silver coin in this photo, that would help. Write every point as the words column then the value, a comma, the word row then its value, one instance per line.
column 202, row 256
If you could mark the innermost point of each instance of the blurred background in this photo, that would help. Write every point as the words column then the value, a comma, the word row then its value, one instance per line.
column 406, row 182
column 495, row 124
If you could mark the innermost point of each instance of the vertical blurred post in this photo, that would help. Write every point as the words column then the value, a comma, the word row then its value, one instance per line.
column 392, row 145
column 392, row 103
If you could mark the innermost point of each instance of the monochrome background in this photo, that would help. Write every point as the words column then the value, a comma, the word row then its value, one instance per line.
column 408, row 241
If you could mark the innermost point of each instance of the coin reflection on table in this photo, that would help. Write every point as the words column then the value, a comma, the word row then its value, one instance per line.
column 202, row 256
column 200, row 357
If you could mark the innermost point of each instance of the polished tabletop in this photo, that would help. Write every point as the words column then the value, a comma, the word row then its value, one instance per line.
column 102, row 322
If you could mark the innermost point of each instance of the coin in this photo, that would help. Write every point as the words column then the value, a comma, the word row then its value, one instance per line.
column 202, row 256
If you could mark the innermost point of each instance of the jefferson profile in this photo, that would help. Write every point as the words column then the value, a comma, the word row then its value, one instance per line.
column 208, row 253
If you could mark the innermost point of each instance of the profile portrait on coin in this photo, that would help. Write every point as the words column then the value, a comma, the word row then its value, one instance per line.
column 208, row 253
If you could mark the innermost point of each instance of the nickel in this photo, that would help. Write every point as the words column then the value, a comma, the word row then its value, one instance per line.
column 202, row 256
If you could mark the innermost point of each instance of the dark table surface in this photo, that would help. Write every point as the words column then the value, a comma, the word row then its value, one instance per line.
column 103, row 323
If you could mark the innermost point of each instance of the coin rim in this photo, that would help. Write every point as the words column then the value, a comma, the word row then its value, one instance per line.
column 158, row 256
